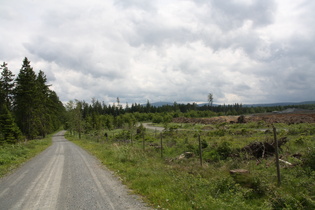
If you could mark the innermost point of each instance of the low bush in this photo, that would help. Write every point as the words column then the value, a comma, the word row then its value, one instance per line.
column 309, row 158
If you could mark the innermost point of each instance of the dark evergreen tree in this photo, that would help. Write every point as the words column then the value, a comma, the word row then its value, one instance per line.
column 25, row 97
column 43, row 105
column 37, row 109
column 7, row 84
column 2, row 95
column 56, row 110
column 9, row 131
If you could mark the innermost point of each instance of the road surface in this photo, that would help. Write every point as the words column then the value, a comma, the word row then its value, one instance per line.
column 65, row 176
column 149, row 126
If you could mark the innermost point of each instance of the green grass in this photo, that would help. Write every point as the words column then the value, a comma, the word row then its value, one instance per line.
column 13, row 155
column 173, row 183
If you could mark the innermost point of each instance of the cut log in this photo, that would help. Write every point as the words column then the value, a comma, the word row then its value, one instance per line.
column 286, row 162
column 239, row 171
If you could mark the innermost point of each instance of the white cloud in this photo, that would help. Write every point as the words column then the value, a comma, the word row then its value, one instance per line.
column 247, row 51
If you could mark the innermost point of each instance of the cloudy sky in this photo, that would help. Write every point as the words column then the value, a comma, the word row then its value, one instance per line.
column 242, row 51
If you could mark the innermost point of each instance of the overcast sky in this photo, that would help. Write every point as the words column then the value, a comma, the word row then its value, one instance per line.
column 242, row 51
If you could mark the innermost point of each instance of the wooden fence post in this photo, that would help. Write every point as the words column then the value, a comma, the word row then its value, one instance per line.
column 200, row 150
column 143, row 143
column 161, row 145
column 131, row 138
column 277, row 154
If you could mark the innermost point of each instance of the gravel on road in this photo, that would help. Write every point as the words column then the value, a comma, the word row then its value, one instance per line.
column 65, row 176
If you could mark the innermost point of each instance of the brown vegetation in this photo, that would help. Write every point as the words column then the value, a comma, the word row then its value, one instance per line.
column 289, row 118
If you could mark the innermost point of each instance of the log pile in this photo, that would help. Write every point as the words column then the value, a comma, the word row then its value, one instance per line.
column 263, row 149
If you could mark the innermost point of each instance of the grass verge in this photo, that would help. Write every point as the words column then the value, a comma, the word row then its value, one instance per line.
column 13, row 155
column 174, row 183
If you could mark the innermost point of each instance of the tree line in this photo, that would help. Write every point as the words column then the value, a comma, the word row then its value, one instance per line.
column 83, row 117
column 28, row 107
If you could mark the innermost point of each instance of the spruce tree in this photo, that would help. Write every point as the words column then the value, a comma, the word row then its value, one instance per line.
column 7, row 84
column 25, row 99
column 42, row 104
column 10, row 133
column 37, row 109
column 2, row 96
column 56, row 110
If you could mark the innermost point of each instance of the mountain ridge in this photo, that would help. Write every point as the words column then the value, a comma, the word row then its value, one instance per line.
column 164, row 103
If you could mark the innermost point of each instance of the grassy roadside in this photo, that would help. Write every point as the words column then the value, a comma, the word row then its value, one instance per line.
column 172, row 183
column 170, row 186
column 13, row 155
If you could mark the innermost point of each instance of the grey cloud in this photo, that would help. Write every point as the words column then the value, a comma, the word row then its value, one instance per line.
column 286, row 79
column 232, row 14
column 73, row 56
column 150, row 34
column 168, row 50
column 300, row 46
column 63, row 54
column 226, row 20
column 139, row 4
column 241, row 87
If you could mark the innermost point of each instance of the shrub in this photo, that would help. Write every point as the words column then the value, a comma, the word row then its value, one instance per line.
column 218, row 132
column 221, row 152
column 309, row 158
column 211, row 155
column 204, row 144
column 286, row 201
column 157, row 119
column 123, row 135
column 190, row 147
column 224, row 150
column 225, row 185
column 254, row 183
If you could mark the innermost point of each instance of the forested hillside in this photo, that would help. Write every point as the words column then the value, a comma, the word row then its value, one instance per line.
column 28, row 107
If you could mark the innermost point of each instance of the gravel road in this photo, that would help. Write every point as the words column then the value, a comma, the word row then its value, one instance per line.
column 148, row 126
column 65, row 176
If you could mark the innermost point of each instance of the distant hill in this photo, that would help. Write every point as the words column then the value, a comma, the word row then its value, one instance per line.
column 159, row 104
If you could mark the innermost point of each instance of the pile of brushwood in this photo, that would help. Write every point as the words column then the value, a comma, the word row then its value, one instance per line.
column 263, row 149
